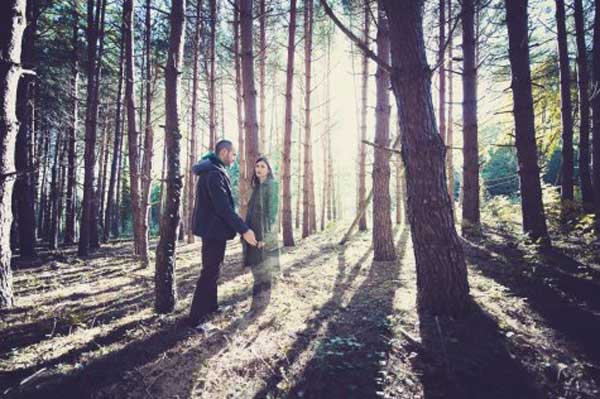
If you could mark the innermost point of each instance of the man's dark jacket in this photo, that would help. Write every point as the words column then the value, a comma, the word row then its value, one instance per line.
column 214, row 215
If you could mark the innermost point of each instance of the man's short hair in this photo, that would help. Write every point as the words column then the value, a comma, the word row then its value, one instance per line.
column 222, row 145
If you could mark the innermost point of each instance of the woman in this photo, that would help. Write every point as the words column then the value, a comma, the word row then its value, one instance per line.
column 262, row 218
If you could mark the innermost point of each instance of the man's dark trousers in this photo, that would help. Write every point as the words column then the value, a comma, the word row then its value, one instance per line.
column 205, row 296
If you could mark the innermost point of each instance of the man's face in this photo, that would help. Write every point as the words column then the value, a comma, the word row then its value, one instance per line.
column 228, row 156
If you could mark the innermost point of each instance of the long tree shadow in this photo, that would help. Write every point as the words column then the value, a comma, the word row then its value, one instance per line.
column 578, row 324
column 469, row 358
column 348, row 360
column 55, row 384
column 356, row 336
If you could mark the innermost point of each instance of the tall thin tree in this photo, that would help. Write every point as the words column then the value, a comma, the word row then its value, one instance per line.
column 286, row 219
column 164, row 277
column 383, row 238
column 585, row 178
column 534, row 220
column 362, row 160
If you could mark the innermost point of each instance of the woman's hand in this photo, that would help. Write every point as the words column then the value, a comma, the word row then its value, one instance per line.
column 260, row 245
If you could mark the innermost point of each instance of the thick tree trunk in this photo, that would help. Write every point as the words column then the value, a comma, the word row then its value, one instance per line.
column 596, row 113
column 164, row 278
column 24, row 184
column 148, row 153
column 534, row 220
column 286, row 219
column 470, row 203
column 441, row 271
column 88, row 221
column 307, row 226
column 139, row 234
column 450, row 126
column 12, row 24
column 587, row 192
column 72, row 172
column 362, row 158
column 249, row 91
column 566, row 109
column 383, row 238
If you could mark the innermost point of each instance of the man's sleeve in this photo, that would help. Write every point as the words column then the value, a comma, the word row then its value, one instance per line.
column 218, row 195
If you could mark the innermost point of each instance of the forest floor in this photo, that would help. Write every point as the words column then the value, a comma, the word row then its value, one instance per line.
column 336, row 325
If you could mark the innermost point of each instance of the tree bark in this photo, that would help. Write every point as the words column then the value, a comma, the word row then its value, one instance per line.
column 450, row 126
column 441, row 69
column 262, row 20
column 596, row 113
column 12, row 25
column 24, row 184
column 164, row 278
column 587, row 191
column 362, row 167
column 249, row 91
column 53, row 233
column 383, row 238
column 112, row 209
column 442, row 286
column 193, row 144
column 243, row 180
column 148, row 153
column 139, row 235
column 71, row 199
column 534, row 220
column 566, row 108
column 212, row 91
column 286, row 219
column 88, row 221
column 470, row 203
column 307, row 226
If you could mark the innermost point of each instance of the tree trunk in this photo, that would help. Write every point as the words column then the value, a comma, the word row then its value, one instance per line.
column 88, row 222
column 148, row 153
column 566, row 109
column 286, row 219
column 596, row 113
column 72, row 172
column 243, row 180
column 24, row 184
column 383, row 238
column 587, row 192
column 249, row 91
column 112, row 209
column 362, row 168
column 139, row 235
column 106, row 137
column 193, row 150
column 262, row 20
column 307, row 226
column 441, row 69
column 12, row 24
column 164, row 279
column 53, row 233
column 442, row 286
column 534, row 220
column 299, row 175
column 450, row 126
column 212, row 91
column 470, row 203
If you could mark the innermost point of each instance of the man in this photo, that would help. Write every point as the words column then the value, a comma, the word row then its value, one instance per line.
column 214, row 219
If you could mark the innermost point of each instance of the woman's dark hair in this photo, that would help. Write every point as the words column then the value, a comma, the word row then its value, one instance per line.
column 255, row 179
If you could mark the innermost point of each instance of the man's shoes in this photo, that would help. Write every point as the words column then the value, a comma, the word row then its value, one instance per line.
column 206, row 328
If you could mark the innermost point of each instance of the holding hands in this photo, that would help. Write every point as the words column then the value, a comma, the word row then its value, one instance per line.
column 250, row 238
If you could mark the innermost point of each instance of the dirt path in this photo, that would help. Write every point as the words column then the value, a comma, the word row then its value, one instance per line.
column 335, row 325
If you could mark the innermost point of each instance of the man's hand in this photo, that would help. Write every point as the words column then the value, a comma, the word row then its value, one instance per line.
column 250, row 238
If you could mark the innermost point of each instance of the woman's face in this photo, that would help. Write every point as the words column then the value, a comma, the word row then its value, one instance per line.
column 261, row 169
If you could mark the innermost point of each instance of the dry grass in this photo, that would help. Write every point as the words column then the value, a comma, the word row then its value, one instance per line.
column 336, row 325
